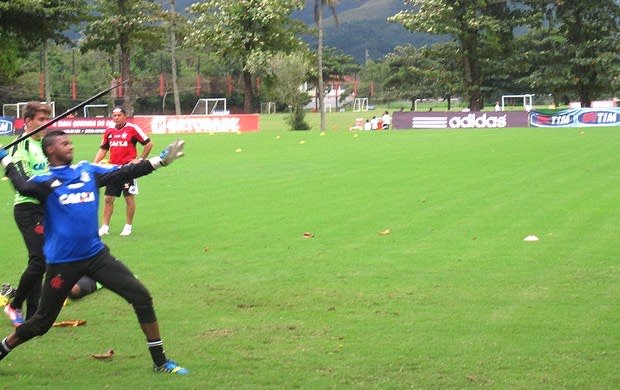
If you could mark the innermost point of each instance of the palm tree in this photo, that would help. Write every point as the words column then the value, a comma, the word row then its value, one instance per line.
column 318, row 17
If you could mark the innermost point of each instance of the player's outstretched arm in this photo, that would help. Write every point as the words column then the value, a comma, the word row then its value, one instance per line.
column 168, row 155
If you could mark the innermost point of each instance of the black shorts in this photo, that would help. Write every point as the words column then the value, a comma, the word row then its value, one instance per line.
column 129, row 187
column 60, row 278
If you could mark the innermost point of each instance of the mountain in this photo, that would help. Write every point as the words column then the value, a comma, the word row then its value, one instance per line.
column 363, row 30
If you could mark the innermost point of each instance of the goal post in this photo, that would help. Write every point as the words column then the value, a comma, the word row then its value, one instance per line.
column 16, row 110
column 268, row 108
column 524, row 100
column 360, row 104
column 210, row 106
column 97, row 111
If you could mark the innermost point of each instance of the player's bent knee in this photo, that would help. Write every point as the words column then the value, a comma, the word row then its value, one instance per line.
column 145, row 313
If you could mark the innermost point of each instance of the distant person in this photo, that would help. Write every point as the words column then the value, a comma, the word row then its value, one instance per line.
column 497, row 106
column 374, row 123
column 120, row 140
column 359, row 124
column 387, row 120
column 367, row 125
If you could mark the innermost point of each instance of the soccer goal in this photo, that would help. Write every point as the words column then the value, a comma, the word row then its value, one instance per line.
column 525, row 101
column 360, row 104
column 16, row 110
column 97, row 111
column 210, row 106
column 268, row 108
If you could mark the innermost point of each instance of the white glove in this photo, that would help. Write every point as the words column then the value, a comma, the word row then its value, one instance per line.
column 168, row 155
column 5, row 157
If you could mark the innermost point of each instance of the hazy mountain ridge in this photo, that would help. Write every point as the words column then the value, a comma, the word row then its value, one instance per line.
column 363, row 30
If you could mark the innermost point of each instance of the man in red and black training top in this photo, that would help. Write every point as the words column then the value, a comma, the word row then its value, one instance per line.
column 121, row 141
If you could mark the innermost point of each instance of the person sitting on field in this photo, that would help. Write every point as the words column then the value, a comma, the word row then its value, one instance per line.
column 387, row 120
column 374, row 123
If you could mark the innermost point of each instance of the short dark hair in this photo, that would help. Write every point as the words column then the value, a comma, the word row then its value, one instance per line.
column 32, row 108
column 119, row 109
column 49, row 139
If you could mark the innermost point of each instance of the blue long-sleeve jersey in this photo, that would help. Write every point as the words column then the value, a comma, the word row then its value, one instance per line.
column 70, row 194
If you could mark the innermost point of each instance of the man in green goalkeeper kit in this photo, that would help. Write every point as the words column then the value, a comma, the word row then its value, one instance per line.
column 29, row 160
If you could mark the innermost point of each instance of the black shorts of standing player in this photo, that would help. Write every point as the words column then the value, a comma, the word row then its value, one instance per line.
column 104, row 268
column 129, row 187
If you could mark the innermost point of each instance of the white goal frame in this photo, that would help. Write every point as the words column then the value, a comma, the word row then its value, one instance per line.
column 98, row 108
column 528, row 100
column 360, row 104
column 210, row 106
column 18, row 108
column 268, row 108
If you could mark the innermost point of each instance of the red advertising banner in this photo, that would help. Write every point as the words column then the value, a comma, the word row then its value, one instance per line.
column 162, row 124
column 77, row 125
column 171, row 124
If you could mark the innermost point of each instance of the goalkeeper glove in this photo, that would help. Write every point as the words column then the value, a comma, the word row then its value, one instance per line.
column 4, row 157
column 168, row 155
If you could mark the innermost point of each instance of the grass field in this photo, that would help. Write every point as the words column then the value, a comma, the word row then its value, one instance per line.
column 451, row 298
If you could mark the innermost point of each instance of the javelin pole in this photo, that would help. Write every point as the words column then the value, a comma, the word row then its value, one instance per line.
column 63, row 115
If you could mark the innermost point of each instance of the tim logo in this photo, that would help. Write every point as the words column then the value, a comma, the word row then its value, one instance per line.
column 599, row 117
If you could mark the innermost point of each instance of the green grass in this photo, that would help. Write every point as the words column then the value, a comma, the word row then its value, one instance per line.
column 453, row 298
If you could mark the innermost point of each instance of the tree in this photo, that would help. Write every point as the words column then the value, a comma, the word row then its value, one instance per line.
column 318, row 17
column 26, row 24
column 286, row 72
column 471, row 23
column 173, row 57
column 573, row 46
column 245, row 33
column 124, row 24
column 336, row 65
column 411, row 74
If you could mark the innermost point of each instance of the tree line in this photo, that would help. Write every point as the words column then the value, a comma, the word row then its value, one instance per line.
column 245, row 50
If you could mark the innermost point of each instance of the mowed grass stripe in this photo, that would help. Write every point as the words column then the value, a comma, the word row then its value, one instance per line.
column 452, row 298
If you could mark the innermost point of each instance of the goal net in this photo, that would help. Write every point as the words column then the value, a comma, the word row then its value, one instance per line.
column 360, row 104
column 97, row 111
column 268, row 108
column 214, row 106
column 517, row 102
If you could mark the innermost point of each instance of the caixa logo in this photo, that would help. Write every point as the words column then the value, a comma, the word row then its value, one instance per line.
column 472, row 121
column 6, row 126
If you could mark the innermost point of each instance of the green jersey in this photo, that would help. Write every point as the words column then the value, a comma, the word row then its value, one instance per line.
column 29, row 160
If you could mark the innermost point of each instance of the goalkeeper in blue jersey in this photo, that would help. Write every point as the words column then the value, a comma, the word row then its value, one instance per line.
column 72, row 245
